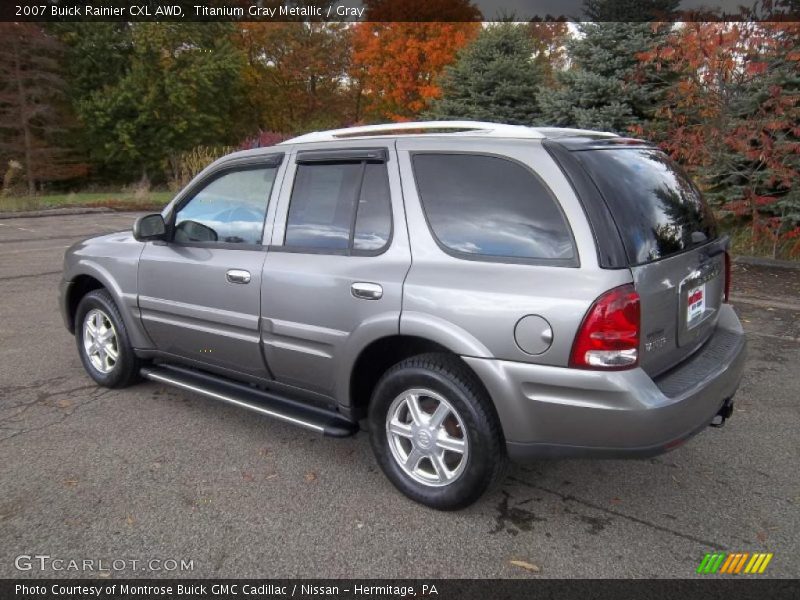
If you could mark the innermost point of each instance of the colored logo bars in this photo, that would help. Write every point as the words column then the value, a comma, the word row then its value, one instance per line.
column 734, row 563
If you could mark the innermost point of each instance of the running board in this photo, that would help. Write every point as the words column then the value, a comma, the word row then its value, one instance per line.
column 268, row 403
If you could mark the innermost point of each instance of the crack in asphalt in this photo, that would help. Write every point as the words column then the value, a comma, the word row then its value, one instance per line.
column 30, row 275
column 609, row 511
column 9, row 422
column 51, row 238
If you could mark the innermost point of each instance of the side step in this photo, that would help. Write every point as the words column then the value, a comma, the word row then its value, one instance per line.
column 268, row 403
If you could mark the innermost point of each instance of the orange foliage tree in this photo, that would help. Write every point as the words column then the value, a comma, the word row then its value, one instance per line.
column 396, row 62
column 296, row 74
column 732, row 118
column 549, row 39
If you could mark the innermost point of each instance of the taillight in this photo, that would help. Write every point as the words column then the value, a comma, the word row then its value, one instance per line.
column 727, row 292
column 609, row 335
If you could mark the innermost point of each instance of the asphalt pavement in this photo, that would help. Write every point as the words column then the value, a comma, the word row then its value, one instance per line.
column 151, row 473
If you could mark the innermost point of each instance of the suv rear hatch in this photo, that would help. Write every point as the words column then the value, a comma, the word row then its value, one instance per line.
column 670, row 243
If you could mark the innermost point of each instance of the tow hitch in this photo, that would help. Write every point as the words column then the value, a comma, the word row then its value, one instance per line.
column 723, row 415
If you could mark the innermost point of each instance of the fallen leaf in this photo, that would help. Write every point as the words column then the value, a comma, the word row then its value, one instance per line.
column 130, row 520
column 311, row 476
column 761, row 536
column 247, row 476
column 616, row 501
column 71, row 482
column 64, row 403
column 525, row 565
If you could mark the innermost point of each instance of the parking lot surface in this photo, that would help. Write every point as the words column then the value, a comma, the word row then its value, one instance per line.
column 153, row 473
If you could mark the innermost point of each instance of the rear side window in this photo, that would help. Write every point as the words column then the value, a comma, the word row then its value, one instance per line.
column 658, row 210
column 485, row 206
column 340, row 207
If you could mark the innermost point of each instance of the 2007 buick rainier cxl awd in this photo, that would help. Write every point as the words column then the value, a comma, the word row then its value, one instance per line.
column 473, row 291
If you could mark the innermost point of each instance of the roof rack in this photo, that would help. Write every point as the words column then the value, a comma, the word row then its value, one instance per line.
column 426, row 127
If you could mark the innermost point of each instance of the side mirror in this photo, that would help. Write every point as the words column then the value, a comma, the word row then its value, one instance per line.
column 149, row 227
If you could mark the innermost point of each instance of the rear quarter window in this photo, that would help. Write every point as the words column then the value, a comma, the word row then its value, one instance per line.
column 658, row 210
column 491, row 207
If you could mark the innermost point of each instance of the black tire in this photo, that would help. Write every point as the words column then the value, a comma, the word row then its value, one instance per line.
column 486, row 460
column 125, row 370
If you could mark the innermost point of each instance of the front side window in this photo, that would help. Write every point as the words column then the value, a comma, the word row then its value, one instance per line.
column 342, row 207
column 491, row 207
column 230, row 209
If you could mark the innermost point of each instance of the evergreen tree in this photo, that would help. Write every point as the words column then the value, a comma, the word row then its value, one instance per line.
column 606, row 86
column 494, row 79
column 760, row 163
column 629, row 10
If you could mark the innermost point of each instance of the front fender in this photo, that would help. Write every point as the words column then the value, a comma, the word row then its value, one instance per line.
column 112, row 260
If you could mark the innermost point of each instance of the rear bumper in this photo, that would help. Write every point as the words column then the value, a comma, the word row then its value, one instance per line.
column 558, row 412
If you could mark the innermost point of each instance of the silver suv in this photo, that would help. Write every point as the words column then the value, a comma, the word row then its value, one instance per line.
column 469, row 291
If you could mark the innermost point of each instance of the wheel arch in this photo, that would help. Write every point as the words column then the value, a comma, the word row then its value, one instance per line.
column 381, row 354
column 80, row 285
column 90, row 277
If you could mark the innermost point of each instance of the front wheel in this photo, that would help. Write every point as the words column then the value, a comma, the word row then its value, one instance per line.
column 435, row 433
column 103, row 343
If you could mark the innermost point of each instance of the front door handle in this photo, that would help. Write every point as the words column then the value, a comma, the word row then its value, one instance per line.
column 238, row 276
column 366, row 291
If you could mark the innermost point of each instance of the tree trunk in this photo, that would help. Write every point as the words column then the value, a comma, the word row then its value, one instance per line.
column 23, row 110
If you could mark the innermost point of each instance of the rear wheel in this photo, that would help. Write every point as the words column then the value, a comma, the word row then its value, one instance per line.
column 103, row 343
column 435, row 433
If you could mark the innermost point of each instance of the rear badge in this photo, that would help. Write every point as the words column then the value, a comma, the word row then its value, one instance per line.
column 655, row 341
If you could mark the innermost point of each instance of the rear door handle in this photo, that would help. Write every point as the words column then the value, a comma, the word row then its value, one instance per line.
column 366, row 291
column 238, row 276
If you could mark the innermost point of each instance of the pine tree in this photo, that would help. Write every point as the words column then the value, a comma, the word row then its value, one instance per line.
column 494, row 79
column 606, row 86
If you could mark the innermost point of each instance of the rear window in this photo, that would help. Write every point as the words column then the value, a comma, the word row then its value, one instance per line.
column 657, row 208
column 484, row 206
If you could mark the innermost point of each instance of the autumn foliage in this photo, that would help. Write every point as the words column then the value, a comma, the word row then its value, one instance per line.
column 398, row 62
column 723, row 98
column 732, row 117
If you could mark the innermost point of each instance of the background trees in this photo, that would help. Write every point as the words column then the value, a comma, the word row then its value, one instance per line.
column 181, row 87
column 124, row 100
column 296, row 75
column 397, row 63
column 33, row 110
column 606, row 86
column 731, row 117
column 494, row 79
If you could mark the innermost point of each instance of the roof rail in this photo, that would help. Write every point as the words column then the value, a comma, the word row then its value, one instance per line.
column 430, row 127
